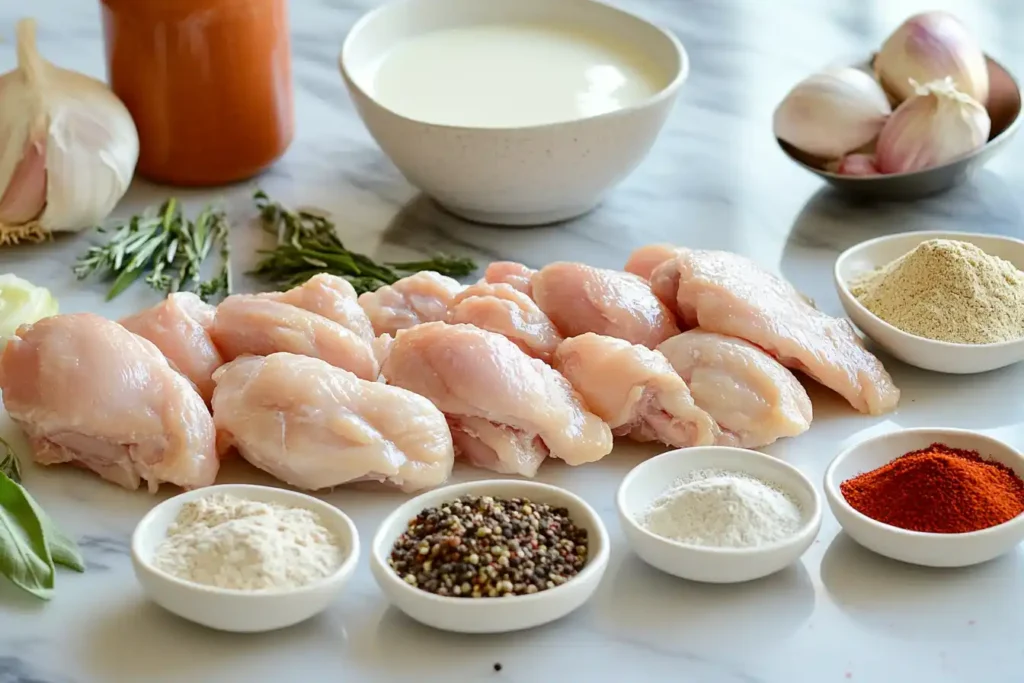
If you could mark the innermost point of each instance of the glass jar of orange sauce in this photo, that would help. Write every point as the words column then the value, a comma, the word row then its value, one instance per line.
column 208, row 83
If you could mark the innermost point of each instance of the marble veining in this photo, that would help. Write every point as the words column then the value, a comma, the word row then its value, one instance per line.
column 715, row 179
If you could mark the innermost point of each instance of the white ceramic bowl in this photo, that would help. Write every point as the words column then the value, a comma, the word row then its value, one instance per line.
column 235, row 610
column 915, row 547
column 512, row 176
column 491, row 615
column 649, row 480
column 959, row 359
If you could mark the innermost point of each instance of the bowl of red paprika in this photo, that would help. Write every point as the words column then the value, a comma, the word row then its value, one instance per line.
column 932, row 497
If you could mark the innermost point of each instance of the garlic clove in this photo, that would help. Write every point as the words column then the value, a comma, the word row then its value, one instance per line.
column 91, row 135
column 25, row 196
column 832, row 113
column 928, row 47
column 935, row 126
column 857, row 165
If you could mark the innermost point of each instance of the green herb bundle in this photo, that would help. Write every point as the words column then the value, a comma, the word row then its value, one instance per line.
column 307, row 244
column 30, row 543
column 166, row 248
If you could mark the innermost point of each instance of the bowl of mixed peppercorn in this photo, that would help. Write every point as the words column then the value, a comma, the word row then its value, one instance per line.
column 490, row 556
column 933, row 497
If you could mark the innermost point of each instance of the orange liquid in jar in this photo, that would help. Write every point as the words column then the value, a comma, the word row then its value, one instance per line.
column 208, row 83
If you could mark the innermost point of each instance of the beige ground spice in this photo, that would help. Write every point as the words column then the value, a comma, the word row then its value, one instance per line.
column 949, row 291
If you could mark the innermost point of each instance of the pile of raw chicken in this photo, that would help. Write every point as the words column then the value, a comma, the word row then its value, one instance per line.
column 318, row 387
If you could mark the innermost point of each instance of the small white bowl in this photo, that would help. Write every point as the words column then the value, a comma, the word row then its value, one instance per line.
column 915, row 547
column 528, row 175
column 236, row 610
column 1004, row 109
column 928, row 354
column 491, row 615
column 650, row 479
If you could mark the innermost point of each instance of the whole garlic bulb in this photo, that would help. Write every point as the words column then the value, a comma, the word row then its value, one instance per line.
column 935, row 126
column 832, row 113
column 928, row 47
column 68, row 147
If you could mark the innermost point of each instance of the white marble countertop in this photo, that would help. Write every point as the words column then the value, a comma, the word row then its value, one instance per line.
column 715, row 180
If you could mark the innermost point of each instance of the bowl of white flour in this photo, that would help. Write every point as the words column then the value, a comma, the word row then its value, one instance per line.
column 244, row 558
column 717, row 514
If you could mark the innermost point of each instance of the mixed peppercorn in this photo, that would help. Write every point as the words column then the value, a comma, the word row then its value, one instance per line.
column 485, row 547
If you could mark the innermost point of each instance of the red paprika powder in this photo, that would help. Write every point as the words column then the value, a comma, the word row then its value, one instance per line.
column 939, row 490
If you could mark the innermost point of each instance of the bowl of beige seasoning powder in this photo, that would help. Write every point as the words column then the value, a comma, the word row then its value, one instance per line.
column 244, row 558
column 949, row 302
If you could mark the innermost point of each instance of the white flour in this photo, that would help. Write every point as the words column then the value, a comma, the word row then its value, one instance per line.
column 230, row 542
column 723, row 509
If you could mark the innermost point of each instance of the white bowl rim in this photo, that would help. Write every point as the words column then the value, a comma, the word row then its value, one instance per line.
column 812, row 518
column 832, row 487
column 925, row 236
column 352, row 556
column 668, row 91
column 453, row 491
column 1006, row 132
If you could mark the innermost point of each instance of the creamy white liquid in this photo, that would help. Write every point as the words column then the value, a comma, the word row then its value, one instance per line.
column 511, row 75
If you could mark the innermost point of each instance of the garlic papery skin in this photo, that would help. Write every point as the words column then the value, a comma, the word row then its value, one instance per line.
column 928, row 47
column 857, row 165
column 832, row 113
column 935, row 126
column 68, row 147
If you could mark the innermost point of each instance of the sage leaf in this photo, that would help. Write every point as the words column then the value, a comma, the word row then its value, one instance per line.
column 25, row 558
column 63, row 550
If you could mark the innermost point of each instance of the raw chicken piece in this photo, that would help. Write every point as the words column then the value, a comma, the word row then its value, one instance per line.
column 503, row 309
column 86, row 390
column 644, row 260
column 752, row 397
column 333, row 298
column 727, row 293
column 664, row 281
column 315, row 426
column 510, row 273
column 420, row 298
column 634, row 390
column 507, row 411
column 251, row 324
column 580, row 298
column 179, row 326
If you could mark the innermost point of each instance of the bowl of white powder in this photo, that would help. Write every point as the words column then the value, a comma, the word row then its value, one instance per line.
column 244, row 558
column 717, row 514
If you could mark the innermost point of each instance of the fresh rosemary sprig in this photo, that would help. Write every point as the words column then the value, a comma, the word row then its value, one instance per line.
column 166, row 248
column 307, row 244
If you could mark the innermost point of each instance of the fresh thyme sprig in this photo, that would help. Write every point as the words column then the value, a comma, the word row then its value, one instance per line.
column 307, row 244
column 165, row 248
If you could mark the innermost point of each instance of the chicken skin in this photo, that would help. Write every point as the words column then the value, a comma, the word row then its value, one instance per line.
column 726, row 293
column 180, row 327
column 635, row 390
column 255, row 325
column 503, row 309
column 579, row 298
column 421, row 298
column 333, row 298
column 85, row 390
column 516, row 275
column 752, row 397
column 315, row 426
column 506, row 411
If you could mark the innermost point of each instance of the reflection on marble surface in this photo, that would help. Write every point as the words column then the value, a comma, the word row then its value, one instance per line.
column 716, row 179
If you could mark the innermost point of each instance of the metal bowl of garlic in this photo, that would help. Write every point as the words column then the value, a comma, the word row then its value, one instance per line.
column 1004, row 108
column 512, row 113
